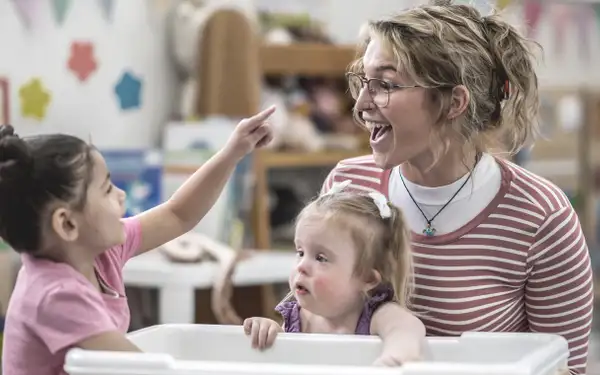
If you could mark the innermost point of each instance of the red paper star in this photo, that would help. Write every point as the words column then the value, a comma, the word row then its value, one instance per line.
column 82, row 61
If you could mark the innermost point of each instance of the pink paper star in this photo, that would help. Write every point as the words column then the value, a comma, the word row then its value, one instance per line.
column 82, row 61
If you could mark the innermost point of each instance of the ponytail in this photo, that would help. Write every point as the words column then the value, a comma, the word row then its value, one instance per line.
column 514, row 82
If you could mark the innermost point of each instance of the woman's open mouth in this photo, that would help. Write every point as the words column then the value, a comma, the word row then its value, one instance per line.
column 378, row 130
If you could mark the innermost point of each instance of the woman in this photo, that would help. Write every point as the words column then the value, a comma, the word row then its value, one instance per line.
column 497, row 248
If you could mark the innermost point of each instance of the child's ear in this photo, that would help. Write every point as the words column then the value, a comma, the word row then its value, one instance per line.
column 64, row 224
column 373, row 280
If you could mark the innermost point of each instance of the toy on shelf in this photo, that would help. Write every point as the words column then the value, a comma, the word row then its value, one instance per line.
column 194, row 43
column 212, row 350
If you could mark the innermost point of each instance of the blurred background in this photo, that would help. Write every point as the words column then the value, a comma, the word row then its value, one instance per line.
column 157, row 85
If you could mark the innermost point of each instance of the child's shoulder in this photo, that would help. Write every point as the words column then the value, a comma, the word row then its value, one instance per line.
column 39, row 278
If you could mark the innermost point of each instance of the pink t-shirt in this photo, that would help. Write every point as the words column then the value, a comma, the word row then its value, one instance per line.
column 53, row 307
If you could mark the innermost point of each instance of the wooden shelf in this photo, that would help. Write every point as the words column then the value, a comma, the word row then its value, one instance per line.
column 292, row 159
column 310, row 59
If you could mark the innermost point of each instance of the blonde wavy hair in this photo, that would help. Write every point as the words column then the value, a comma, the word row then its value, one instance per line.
column 445, row 45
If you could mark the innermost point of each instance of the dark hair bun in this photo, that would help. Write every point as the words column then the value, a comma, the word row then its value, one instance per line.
column 15, row 159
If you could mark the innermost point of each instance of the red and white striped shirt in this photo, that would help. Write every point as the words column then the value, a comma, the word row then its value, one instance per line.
column 521, row 265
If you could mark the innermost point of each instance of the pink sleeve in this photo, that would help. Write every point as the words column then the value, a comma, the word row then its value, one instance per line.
column 133, row 234
column 69, row 314
column 559, row 294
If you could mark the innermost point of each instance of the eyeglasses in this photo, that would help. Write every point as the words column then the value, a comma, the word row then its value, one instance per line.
column 378, row 89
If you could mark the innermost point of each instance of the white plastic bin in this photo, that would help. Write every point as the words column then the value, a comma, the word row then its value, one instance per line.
column 225, row 350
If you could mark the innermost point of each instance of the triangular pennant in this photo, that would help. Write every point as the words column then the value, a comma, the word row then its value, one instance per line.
column 107, row 8
column 561, row 17
column 596, row 7
column 60, row 10
column 501, row 4
column 584, row 19
column 532, row 10
column 26, row 10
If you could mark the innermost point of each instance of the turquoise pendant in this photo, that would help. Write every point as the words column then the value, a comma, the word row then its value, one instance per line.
column 429, row 231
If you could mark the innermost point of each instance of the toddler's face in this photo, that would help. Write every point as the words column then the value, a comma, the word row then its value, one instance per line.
column 323, row 281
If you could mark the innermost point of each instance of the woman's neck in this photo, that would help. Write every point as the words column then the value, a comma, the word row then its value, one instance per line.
column 446, row 170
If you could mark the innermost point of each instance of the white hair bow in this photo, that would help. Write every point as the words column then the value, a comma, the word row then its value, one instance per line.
column 338, row 187
column 382, row 203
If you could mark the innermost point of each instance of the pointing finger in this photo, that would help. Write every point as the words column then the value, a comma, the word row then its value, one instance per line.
column 263, row 115
column 250, row 124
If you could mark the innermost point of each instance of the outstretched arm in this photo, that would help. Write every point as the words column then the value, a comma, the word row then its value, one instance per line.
column 559, row 292
column 402, row 334
column 198, row 194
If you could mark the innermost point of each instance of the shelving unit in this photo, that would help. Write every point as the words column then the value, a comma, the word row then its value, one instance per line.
column 306, row 59
column 265, row 161
column 231, row 74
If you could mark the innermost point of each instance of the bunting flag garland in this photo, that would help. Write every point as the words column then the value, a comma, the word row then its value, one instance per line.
column 108, row 7
column 25, row 10
column 532, row 10
column 560, row 17
column 60, row 10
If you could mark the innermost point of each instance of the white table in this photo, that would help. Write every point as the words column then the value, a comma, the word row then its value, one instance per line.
column 177, row 282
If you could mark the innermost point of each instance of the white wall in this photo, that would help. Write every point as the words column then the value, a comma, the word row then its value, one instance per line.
column 134, row 40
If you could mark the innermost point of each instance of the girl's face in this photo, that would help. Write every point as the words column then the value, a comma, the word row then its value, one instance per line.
column 323, row 281
column 100, row 221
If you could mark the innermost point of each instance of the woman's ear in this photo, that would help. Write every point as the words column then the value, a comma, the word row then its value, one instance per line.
column 65, row 225
column 459, row 103
column 372, row 280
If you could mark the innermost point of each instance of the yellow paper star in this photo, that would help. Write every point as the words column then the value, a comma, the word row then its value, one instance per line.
column 34, row 99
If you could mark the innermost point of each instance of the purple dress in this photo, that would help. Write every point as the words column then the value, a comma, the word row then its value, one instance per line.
column 290, row 311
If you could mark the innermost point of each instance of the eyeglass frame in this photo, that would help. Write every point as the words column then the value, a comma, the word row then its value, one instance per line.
column 393, row 87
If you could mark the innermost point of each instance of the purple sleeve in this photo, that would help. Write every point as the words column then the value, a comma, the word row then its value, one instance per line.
column 69, row 314
column 290, row 312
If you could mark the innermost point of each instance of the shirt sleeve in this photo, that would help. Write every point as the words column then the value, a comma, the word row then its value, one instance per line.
column 133, row 237
column 559, row 292
column 70, row 313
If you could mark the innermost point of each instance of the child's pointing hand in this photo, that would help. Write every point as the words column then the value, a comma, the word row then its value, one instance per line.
column 251, row 133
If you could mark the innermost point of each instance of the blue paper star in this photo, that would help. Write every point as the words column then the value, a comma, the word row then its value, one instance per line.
column 129, row 89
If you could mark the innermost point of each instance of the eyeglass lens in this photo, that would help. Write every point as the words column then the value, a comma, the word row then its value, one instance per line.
column 377, row 89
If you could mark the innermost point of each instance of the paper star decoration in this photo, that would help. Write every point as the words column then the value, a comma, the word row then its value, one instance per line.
column 82, row 61
column 34, row 99
column 128, row 90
